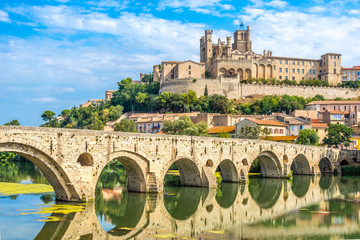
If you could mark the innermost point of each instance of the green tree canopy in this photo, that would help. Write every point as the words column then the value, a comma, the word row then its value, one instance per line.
column 48, row 115
column 337, row 134
column 13, row 122
column 126, row 125
column 308, row 137
column 184, row 126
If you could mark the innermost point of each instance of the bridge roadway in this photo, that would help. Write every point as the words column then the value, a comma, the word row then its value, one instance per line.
column 207, row 213
column 72, row 160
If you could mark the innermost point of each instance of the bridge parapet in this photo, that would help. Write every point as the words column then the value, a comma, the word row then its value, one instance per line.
column 73, row 160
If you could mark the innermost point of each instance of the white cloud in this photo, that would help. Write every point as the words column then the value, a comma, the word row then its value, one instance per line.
column 201, row 6
column 277, row 4
column 317, row 9
column 297, row 34
column 43, row 99
column 119, row 5
column 354, row 11
column 4, row 16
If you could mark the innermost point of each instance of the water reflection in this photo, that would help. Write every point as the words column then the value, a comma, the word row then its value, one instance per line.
column 306, row 207
column 265, row 192
column 182, row 202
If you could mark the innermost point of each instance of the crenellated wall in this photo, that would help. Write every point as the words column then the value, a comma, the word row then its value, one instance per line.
column 233, row 89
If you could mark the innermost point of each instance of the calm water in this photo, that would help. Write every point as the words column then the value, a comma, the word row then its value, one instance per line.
column 304, row 208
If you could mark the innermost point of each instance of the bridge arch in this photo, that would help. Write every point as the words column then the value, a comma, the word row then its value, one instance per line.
column 325, row 165
column 52, row 171
column 189, row 172
column 136, row 168
column 270, row 164
column 228, row 171
column 300, row 165
column 344, row 162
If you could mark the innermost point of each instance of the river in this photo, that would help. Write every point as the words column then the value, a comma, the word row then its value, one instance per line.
column 305, row 207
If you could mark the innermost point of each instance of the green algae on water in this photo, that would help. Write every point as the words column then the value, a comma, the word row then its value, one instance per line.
column 9, row 189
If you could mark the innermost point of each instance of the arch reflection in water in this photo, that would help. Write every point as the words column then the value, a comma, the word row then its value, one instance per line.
column 182, row 202
column 300, row 185
column 325, row 181
column 265, row 192
column 119, row 215
column 226, row 194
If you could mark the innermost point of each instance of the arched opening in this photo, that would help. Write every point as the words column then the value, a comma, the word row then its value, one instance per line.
column 325, row 166
column 85, row 159
column 244, row 162
column 222, row 72
column 300, row 165
column 261, row 71
column 228, row 171
column 184, row 172
column 344, row 163
column 231, row 72
column 265, row 192
column 240, row 73
column 266, row 164
column 300, row 185
column 51, row 170
column 255, row 70
column 268, row 72
column 247, row 74
column 119, row 193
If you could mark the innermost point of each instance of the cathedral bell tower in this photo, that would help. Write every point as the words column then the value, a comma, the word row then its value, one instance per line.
column 242, row 39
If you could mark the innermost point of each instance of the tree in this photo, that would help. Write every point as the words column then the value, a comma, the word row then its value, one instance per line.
column 96, row 123
column 184, row 126
column 48, row 115
column 13, row 122
column 126, row 125
column 337, row 134
column 206, row 93
column 223, row 134
column 219, row 104
column 308, row 137
column 148, row 78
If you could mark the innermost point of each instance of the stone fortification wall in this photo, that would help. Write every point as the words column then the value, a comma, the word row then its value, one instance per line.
column 232, row 89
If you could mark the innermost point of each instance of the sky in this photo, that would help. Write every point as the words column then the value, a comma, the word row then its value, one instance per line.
column 56, row 54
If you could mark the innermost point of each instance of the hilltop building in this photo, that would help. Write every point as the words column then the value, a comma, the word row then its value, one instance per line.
column 236, row 59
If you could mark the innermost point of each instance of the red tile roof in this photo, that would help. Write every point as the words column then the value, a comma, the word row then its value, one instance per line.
column 319, row 125
column 266, row 122
column 336, row 112
column 353, row 68
column 281, row 138
column 219, row 129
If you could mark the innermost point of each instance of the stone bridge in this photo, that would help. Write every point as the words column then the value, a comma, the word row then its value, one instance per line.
column 72, row 160
column 241, row 210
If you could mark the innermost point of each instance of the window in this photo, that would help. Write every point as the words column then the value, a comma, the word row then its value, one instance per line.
column 293, row 78
column 293, row 70
column 189, row 66
column 286, row 61
column 286, row 70
column 276, row 131
column 280, row 61
column 335, row 64
column 336, row 116
column 270, row 130
column 298, row 70
column 293, row 62
column 281, row 131
column 302, row 71
column 286, row 77
column 292, row 128
column 302, row 63
column 280, row 77
column 309, row 71
column 298, row 62
column 189, row 72
column 345, row 108
column 280, row 69
column 274, row 67
column 320, row 64
column 334, row 71
column 313, row 71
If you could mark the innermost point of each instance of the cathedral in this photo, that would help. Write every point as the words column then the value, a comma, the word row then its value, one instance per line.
column 236, row 60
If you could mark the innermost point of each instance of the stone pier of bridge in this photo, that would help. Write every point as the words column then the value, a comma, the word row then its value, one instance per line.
column 72, row 160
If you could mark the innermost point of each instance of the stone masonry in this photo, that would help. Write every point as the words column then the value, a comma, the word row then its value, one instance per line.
column 72, row 160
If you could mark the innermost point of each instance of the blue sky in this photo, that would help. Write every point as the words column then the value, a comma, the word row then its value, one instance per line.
column 55, row 54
